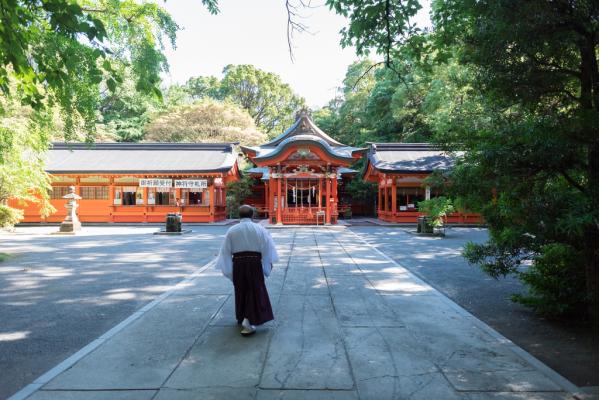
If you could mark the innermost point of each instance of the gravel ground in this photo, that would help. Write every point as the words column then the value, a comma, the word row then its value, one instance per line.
column 58, row 293
column 567, row 348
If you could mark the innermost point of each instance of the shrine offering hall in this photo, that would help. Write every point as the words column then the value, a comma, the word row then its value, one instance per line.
column 299, row 177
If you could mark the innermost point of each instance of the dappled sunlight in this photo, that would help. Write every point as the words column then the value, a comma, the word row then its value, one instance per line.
column 319, row 283
column 121, row 296
column 57, row 272
column 394, row 285
column 156, row 288
column 146, row 256
column 371, row 261
column 13, row 336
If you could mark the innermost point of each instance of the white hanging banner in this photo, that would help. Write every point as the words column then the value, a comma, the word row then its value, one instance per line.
column 153, row 183
column 191, row 183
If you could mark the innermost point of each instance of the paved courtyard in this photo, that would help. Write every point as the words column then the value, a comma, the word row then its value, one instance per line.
column 59, row 293
column 350, row 324
column 567, row 347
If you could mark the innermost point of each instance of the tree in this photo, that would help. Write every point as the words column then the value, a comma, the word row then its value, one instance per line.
column 536, row 64
column 67, row 53
column 61, row 61
column 126, row 112
column 514, row 84
column 204, row 87
column 205, row 121
column 271, row 103
column 23, row 140
column 236, row 192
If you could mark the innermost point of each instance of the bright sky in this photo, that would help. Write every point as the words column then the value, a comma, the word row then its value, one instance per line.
column 254, row 32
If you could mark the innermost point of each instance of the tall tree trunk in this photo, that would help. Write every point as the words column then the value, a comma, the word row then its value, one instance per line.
column 590, row 100
column 592, row 241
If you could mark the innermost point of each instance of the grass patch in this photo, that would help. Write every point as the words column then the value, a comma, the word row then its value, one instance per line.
column 4, row 256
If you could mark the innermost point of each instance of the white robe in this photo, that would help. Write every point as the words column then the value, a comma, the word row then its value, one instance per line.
column 247, row 236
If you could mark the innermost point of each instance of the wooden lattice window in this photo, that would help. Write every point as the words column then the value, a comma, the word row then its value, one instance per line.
column 58, row 192
column 94, row 192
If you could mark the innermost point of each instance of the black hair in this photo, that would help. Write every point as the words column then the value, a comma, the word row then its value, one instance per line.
column 246, row 211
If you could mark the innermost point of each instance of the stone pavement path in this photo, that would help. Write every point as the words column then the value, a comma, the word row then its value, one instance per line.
column 350, row 324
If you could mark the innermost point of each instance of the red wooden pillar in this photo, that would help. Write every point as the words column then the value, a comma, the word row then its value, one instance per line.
column 380, row 202
column 146, row 207
column 212, row 199
column 319, row 192
column 284, row 192
column 334, row 190
column 328, row 201
column 111, row 198
column 385, row 194
column 279, row 218
column 393, row 197
column 266, row 198
column 271, row 198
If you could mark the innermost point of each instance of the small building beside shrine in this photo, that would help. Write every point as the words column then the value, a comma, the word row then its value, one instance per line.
column 299, row 174
column 139, row 182
column 399, row 170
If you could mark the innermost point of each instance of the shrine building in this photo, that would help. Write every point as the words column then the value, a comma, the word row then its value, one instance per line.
column 399, row 170
column 139, row 182
column 299, row 177
column 299, row 174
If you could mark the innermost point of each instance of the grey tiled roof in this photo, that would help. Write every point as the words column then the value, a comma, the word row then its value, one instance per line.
column 409, row 157
column 265, row 171
column 140, row 157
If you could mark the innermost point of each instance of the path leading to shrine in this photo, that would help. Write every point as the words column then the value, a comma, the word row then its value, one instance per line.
column 350, row 323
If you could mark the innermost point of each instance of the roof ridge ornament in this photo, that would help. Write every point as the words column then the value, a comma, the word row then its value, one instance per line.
column 303, row 112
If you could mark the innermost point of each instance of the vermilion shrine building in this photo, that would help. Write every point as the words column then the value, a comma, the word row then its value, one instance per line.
column 399, row 170
column 300, row 177
column 298, row 174
column 140, row 182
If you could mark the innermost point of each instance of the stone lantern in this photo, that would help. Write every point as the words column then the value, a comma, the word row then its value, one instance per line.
column 71, row 223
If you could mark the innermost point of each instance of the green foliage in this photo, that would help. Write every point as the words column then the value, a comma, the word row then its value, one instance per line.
column 536, row 143
column 436, row 208
column 67, row 53
column 361, row 190
column 556, row 281
column 236, row 193
column 23, row 142
column 126, row 112
column 203, row 87
column 270, row 102
column 8, row 218
column 204, row 121
column 379, row 25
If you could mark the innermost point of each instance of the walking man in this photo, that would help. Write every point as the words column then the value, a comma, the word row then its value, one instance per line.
column 246, row 257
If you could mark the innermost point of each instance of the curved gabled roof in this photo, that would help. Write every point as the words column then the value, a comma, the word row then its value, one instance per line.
column 342, row 152
column 303, row 125
column 303, row 132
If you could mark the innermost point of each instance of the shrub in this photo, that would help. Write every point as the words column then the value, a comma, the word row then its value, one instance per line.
column 556, row 282
column 436, row 208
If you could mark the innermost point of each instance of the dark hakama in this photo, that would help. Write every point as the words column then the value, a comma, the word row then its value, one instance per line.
column 251, row 297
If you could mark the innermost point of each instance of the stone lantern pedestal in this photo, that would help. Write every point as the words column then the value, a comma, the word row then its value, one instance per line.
column 71, row 223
